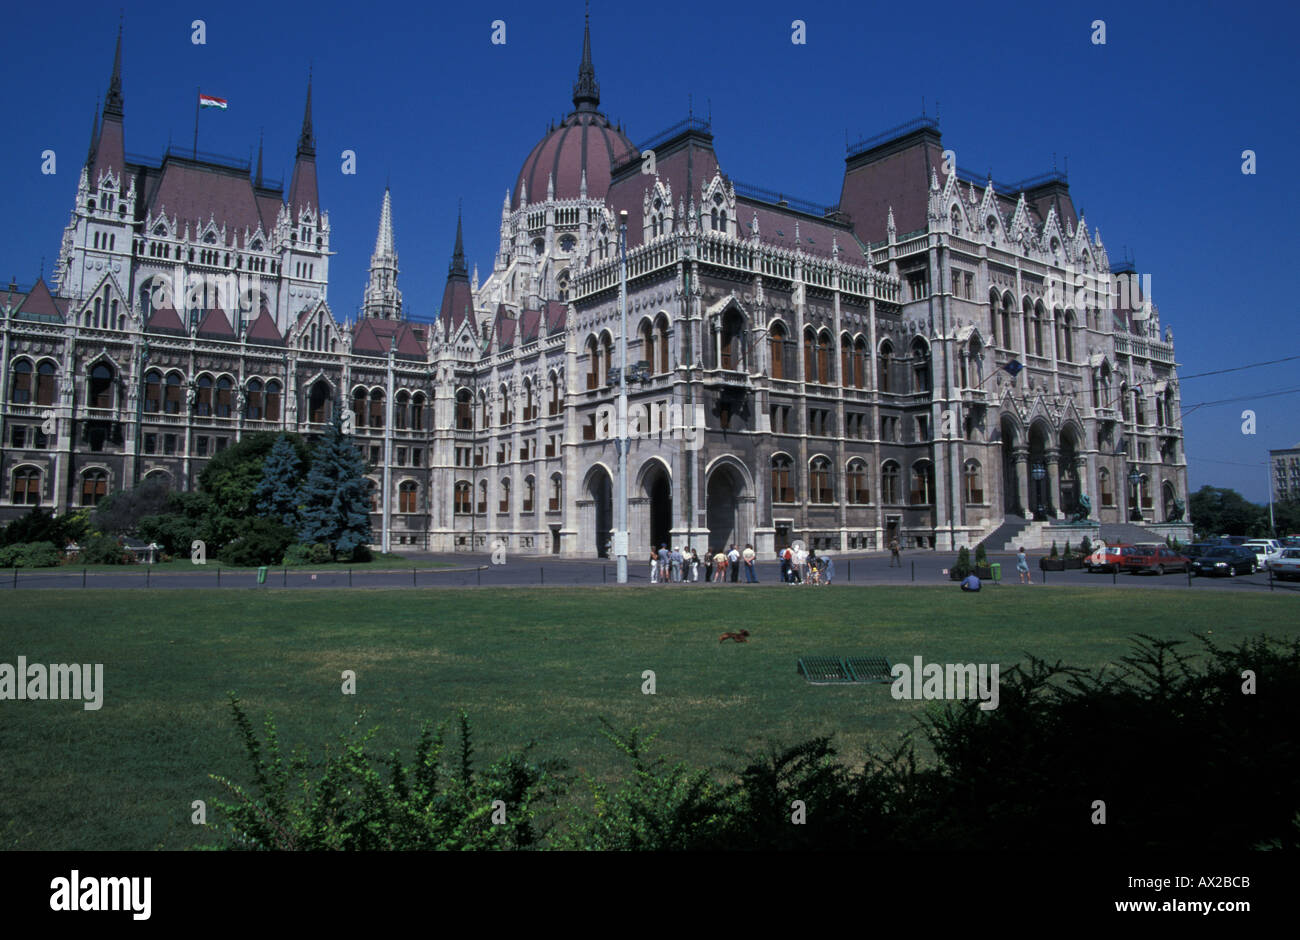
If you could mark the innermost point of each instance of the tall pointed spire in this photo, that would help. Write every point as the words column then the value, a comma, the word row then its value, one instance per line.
column 94, row 136
column 382, row 298
column 307, row 140
column 113, row 103
column 586, row 90
column 458, row 253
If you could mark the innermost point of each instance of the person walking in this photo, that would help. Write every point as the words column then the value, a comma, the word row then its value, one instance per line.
column 893, row 553
column 695, row 566
column 654, row 567
column 828, row 572
column 665, row 563
column 1022, row 566
column 708, row 565
column 719, row 567
column 676, row 561
column 784, row 556
column 748, row 556
column 733, row 562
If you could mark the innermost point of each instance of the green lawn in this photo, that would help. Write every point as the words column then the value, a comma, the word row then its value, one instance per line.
column 526, row 663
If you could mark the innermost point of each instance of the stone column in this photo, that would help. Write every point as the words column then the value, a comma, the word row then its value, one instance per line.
column 1053, row 501
column 1020, row 460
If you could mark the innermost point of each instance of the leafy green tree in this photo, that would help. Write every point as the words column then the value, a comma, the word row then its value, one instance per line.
column 231, row 479
column 277, row 494
column 260, row 542
column 121, row 512
column 1218, row 511
column 41, row 525
column 335, row 499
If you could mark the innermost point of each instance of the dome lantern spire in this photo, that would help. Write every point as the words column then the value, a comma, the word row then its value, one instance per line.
column 586, row 90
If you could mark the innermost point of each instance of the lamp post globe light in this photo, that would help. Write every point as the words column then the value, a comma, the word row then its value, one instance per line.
column 1038, row 472
column 1135, row 511
column 621, row 444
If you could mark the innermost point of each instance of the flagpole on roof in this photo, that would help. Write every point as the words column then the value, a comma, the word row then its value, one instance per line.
column 198, row 96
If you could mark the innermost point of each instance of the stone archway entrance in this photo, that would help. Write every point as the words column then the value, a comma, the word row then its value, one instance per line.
column 600, row 489
column 723, row 514
column 659, row 491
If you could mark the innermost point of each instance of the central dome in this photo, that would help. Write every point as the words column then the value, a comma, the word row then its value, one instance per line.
column 584, row 141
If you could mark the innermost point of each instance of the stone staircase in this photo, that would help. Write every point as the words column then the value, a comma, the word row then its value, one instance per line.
column 1005, row 534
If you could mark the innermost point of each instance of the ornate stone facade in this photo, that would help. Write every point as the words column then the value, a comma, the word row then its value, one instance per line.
column 800, row 371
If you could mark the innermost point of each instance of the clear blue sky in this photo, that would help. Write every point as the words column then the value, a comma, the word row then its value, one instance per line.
column 1154, row 124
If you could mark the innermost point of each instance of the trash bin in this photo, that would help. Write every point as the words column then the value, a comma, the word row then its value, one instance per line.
column 996, row 570
column 261, row 575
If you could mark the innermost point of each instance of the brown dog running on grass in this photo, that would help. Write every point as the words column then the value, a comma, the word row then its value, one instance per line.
column 741, row 637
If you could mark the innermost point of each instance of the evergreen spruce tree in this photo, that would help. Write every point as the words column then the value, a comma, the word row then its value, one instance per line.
column 277, row 494
column 334, row 501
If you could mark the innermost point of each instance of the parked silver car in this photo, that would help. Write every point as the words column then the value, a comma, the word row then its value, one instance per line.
column 1286, row 564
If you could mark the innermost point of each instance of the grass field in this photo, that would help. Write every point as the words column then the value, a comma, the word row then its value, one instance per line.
column 525, row 663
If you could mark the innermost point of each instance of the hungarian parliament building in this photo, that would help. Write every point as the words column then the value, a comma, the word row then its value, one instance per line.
column 935, row 358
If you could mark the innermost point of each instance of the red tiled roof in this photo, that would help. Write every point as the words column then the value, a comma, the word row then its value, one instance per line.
column 776, row 227
column 457, row 303
column 529, row 320
column 375, row 336
column 40, row 302
column 264, row 330
column 505, row 327
column 216, row 324
column 195, row 193
column 900, row 179
column 302, row 188
column 557, row 316
column 165, row 320
column 585, row 140
column 109, row 151
column 685, row 170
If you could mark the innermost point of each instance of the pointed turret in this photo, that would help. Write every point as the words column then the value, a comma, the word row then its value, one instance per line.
column 457, row 297
column 110, row 142
column 382, row 298
column 586, row 90
column 302, row 188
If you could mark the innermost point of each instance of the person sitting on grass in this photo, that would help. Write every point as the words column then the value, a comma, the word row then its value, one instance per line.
column 971, row 583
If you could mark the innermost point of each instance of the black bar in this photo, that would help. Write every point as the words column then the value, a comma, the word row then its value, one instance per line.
column 218, row 576
column 849, row 565
column 413, row 584
column 15, row 577
column 147, row 569
column 83, row 577
column 913, row 571
column 349, row 577
column 478, row 576
column 286, row 575
column 1114, row 573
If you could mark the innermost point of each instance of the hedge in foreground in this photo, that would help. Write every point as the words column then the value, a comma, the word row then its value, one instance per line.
column 1181, row 753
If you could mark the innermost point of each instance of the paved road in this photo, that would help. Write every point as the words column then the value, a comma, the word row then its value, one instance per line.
column 477, row 571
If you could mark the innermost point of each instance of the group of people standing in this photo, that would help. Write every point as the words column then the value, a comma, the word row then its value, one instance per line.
column 801, row 566
column 679, row 565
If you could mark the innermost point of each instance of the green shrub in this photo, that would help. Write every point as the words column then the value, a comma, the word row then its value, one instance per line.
column 30, row 555
column 981, row 556
column 260, row 542
column 1085, row 546
column 962, row 568
column 104, row 550
column 1067, row 553
column 1054, row 553
column 362, row 553
column 297, row 554
column 320, row 554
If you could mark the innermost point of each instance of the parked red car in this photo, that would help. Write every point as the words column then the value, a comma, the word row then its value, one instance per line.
column 1108, row 558
column 1154, row 558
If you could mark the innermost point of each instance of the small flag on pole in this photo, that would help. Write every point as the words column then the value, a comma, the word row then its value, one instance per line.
column 1013, row 367
column 211, row 101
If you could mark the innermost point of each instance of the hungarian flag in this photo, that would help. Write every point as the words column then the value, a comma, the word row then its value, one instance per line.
column 1013, row 367
column 211, row 101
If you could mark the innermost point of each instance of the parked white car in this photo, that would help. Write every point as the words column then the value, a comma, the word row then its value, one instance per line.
column 1265, row 549
column 1286, row 564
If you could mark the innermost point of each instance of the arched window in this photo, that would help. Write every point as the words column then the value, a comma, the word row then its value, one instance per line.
column 530, row 492
column 377, row 409
column 732, row 341
column 782, row 479
column 464, row 410
column 1124, row 405
column 819, row 481
column 889, row 490
column 1007, row 340
column 530, row 400
column 402, row 411
column 254, row 400
column 45, row 383
column 20, row 390
column 1026, row 325
column 993, row 314
column 809, row 356
column 359, row 401
column 26, row 490
column 317, row 402
column 463, row 507
column 224, row 385
column 417, row 411
column 593, row 363
column 956, row 221
column 1038, row 329
column 506, row 411
column 504, row 504
column 922, row 483
column 846, row 359
column 886, row 354
column 484, row 416
column 973, row 476
column 857, row 484
column 273, row 401
column 776, row 344
column 859, row 363
column 606, row 357
column 94, row 487
column 661, row 342
column 407, row 497
column 824, row 344
column 553, row 405
column 173, row 394
column 152, row 392
column 101, row 386
column 920, row 366
column 557, row 492
column 1107, row 491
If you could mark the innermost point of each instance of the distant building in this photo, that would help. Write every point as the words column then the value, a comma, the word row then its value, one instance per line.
column 932, row 357
column 1285, row 470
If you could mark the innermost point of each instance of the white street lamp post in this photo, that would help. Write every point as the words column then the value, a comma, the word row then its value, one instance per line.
column 620, row 521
